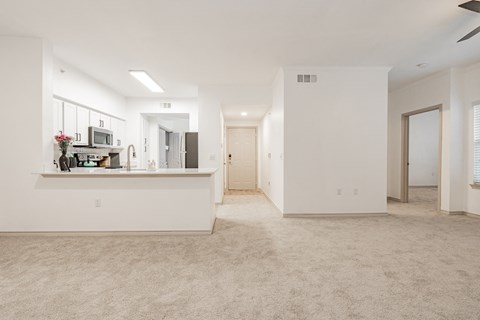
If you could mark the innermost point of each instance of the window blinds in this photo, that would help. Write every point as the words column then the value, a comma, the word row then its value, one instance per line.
column 476, row 144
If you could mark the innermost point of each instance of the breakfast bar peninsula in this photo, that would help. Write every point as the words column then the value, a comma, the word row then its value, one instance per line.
column 162, row 200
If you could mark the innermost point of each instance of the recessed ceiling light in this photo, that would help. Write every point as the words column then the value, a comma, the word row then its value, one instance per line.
column 146, row 80
column 422, row 65
column 243, row 114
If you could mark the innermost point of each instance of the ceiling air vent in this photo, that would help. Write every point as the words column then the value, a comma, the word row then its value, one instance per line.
column 306, row 78
column 165, row 105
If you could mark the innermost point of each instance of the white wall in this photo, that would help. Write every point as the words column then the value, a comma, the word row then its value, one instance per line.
column 457, row 142
column 79, row 87
column 177, row 125
column 153, row 142
column 210, row 137
column 25, row 66
column 423, row 151
column 471, row 97
column 272, row 145
column 335, row 139
column 137, row 106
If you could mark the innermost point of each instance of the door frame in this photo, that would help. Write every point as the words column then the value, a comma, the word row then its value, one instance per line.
column 406, row 147
column 227, row 175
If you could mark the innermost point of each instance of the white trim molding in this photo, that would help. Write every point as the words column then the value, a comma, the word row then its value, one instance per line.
column 334, row 215
column 453, row 213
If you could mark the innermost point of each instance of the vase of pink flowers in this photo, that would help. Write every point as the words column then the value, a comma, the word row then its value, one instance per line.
column 63, row 142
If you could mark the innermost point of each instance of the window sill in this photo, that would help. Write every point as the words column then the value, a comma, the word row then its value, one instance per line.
column 475, row 186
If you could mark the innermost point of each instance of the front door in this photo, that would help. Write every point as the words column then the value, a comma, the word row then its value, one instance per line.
column 241, row 158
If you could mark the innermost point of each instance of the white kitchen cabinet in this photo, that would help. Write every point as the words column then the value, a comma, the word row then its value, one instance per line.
column 75, row 123
column 70, row 120
column 82, row 126
column 57, row 117
column 122, row 133
column 106, row 122
column 118, row 128
column 100, row 120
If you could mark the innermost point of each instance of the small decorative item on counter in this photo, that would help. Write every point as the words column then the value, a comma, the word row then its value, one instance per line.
column 152, row 165
column 63, row 142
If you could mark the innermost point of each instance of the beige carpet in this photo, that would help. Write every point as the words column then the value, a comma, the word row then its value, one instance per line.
column 242, row 192
column 413, row 264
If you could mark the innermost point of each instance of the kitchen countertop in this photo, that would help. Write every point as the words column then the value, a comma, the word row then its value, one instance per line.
column 101, row 172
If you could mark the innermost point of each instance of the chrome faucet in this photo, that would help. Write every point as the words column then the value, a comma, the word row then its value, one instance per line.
column 129, row 167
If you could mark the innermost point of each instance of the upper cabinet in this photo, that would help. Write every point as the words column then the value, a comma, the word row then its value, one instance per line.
column 100, row 120
column 118, row 128
column 73, row 120
column 75, row 123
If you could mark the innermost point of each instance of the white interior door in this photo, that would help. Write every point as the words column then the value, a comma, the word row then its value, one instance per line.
column 241, row 158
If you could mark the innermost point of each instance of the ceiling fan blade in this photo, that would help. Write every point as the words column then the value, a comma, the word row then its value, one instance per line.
column 471, row 34
column 471, row 5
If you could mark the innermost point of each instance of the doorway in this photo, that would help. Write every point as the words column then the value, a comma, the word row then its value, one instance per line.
column 241, row 158
column 421, row 155
column 159, row 141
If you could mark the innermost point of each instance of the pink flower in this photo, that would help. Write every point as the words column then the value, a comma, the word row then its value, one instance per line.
column 63, row 140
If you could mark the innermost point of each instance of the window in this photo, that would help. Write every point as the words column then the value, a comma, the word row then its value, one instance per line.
column 476, row 144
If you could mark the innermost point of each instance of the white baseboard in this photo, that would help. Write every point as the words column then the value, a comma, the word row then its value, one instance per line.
column 473, row 215
column 331, row 215
column 273, row 203
column 423, row 186
column 393, row 199
column 453, row 213
column 102, row 233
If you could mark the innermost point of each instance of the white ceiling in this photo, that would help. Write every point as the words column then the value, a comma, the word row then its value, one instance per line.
column 254, row 112
column 186, row 43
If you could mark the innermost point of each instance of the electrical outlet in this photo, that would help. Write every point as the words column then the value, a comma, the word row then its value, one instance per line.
column 98, row 203
column 355, row 192
column 339, row 192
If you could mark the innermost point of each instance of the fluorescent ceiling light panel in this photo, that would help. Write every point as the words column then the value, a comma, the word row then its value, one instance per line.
column 146, row 80
column 243, row 114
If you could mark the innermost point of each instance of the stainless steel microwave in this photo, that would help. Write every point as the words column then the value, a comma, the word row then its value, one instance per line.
column 100, row 138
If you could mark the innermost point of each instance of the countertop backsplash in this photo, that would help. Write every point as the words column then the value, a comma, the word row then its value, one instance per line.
column 71, row 150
